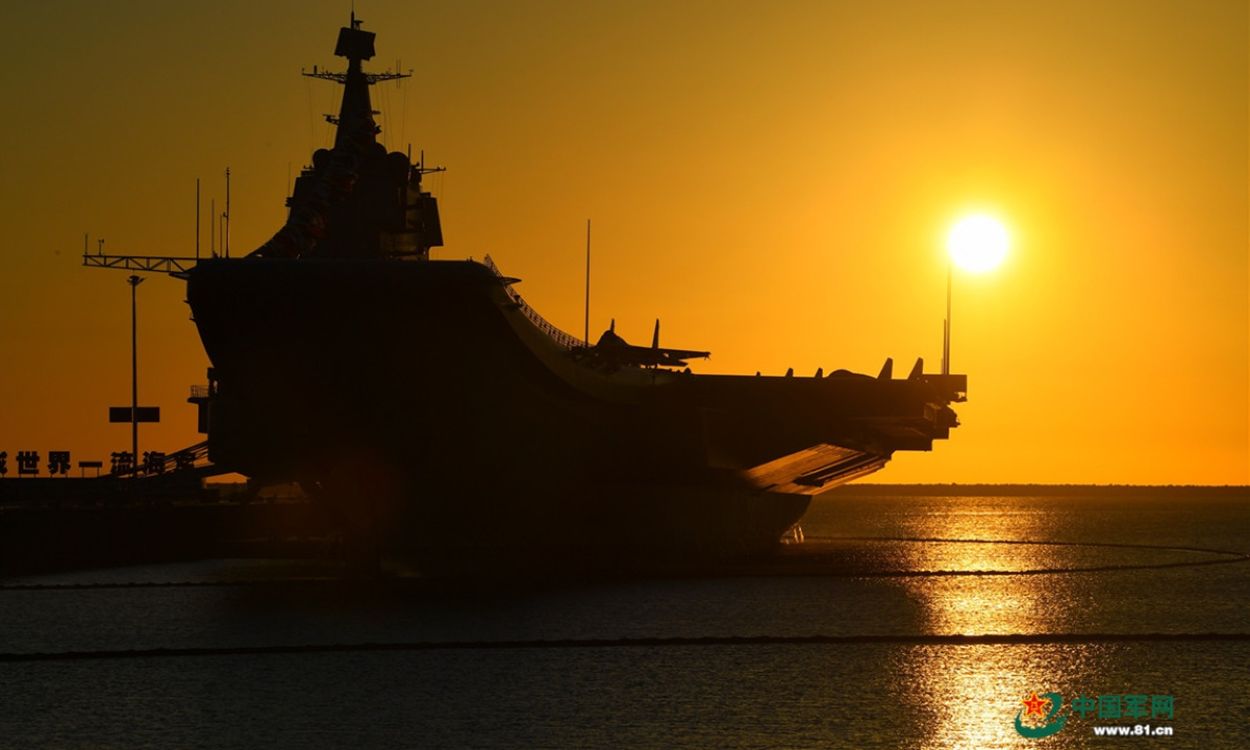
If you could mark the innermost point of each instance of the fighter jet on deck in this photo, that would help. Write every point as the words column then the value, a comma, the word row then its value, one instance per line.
column 611, row 352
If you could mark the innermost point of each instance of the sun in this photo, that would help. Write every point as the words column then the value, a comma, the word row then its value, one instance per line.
column 978, row 243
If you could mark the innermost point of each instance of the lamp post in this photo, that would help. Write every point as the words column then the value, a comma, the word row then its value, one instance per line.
column 134, row 281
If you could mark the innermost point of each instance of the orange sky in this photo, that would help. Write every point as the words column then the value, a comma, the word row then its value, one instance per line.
column 773, row 180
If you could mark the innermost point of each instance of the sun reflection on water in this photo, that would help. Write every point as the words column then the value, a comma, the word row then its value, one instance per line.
column 971, row 604
column 967, row 697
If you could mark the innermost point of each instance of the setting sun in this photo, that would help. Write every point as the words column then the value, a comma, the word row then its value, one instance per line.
column 978, row 243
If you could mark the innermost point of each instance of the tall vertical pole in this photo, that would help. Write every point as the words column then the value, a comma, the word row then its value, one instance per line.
column 212, row 227
column 197, row 218
column 946, row 342
column 587, row 328
column 227, row 233
column 134, row 282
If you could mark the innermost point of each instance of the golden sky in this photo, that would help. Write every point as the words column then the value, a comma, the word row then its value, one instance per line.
column 773, row 180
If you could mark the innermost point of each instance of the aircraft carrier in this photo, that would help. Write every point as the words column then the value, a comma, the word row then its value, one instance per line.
column 439, row 416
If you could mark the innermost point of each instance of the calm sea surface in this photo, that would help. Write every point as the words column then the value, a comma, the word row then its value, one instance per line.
column 1087, row 570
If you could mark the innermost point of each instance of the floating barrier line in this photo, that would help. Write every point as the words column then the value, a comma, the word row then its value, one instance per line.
column 988, row 639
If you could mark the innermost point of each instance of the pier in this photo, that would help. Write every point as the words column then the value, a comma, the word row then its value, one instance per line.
column 62, row 523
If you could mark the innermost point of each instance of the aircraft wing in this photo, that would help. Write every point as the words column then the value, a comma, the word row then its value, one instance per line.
column 675, row 357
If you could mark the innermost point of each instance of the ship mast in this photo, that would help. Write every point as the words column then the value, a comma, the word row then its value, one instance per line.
column 356, row 127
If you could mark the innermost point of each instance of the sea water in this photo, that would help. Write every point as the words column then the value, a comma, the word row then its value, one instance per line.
column 1090, row 600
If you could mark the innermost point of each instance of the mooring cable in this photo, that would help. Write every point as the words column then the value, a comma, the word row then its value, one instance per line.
column 1026, row 542
column 1225, row 557
column 772, row 567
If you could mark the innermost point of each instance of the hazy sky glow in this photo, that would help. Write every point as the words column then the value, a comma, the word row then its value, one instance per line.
column 775, row 181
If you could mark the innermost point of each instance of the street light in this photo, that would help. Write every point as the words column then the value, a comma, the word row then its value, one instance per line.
column 134, row 281
column 976, row 243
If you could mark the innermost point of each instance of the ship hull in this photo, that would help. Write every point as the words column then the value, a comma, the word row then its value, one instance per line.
column 417, row 400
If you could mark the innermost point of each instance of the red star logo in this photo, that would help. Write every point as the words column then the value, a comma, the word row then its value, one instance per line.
column 1035, row 706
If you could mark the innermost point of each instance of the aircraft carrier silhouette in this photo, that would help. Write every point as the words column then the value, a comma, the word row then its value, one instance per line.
column 439, row 416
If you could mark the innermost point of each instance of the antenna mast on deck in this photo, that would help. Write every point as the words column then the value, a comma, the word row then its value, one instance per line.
column 586, row 336
column 174, row 265
column 226, row 233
